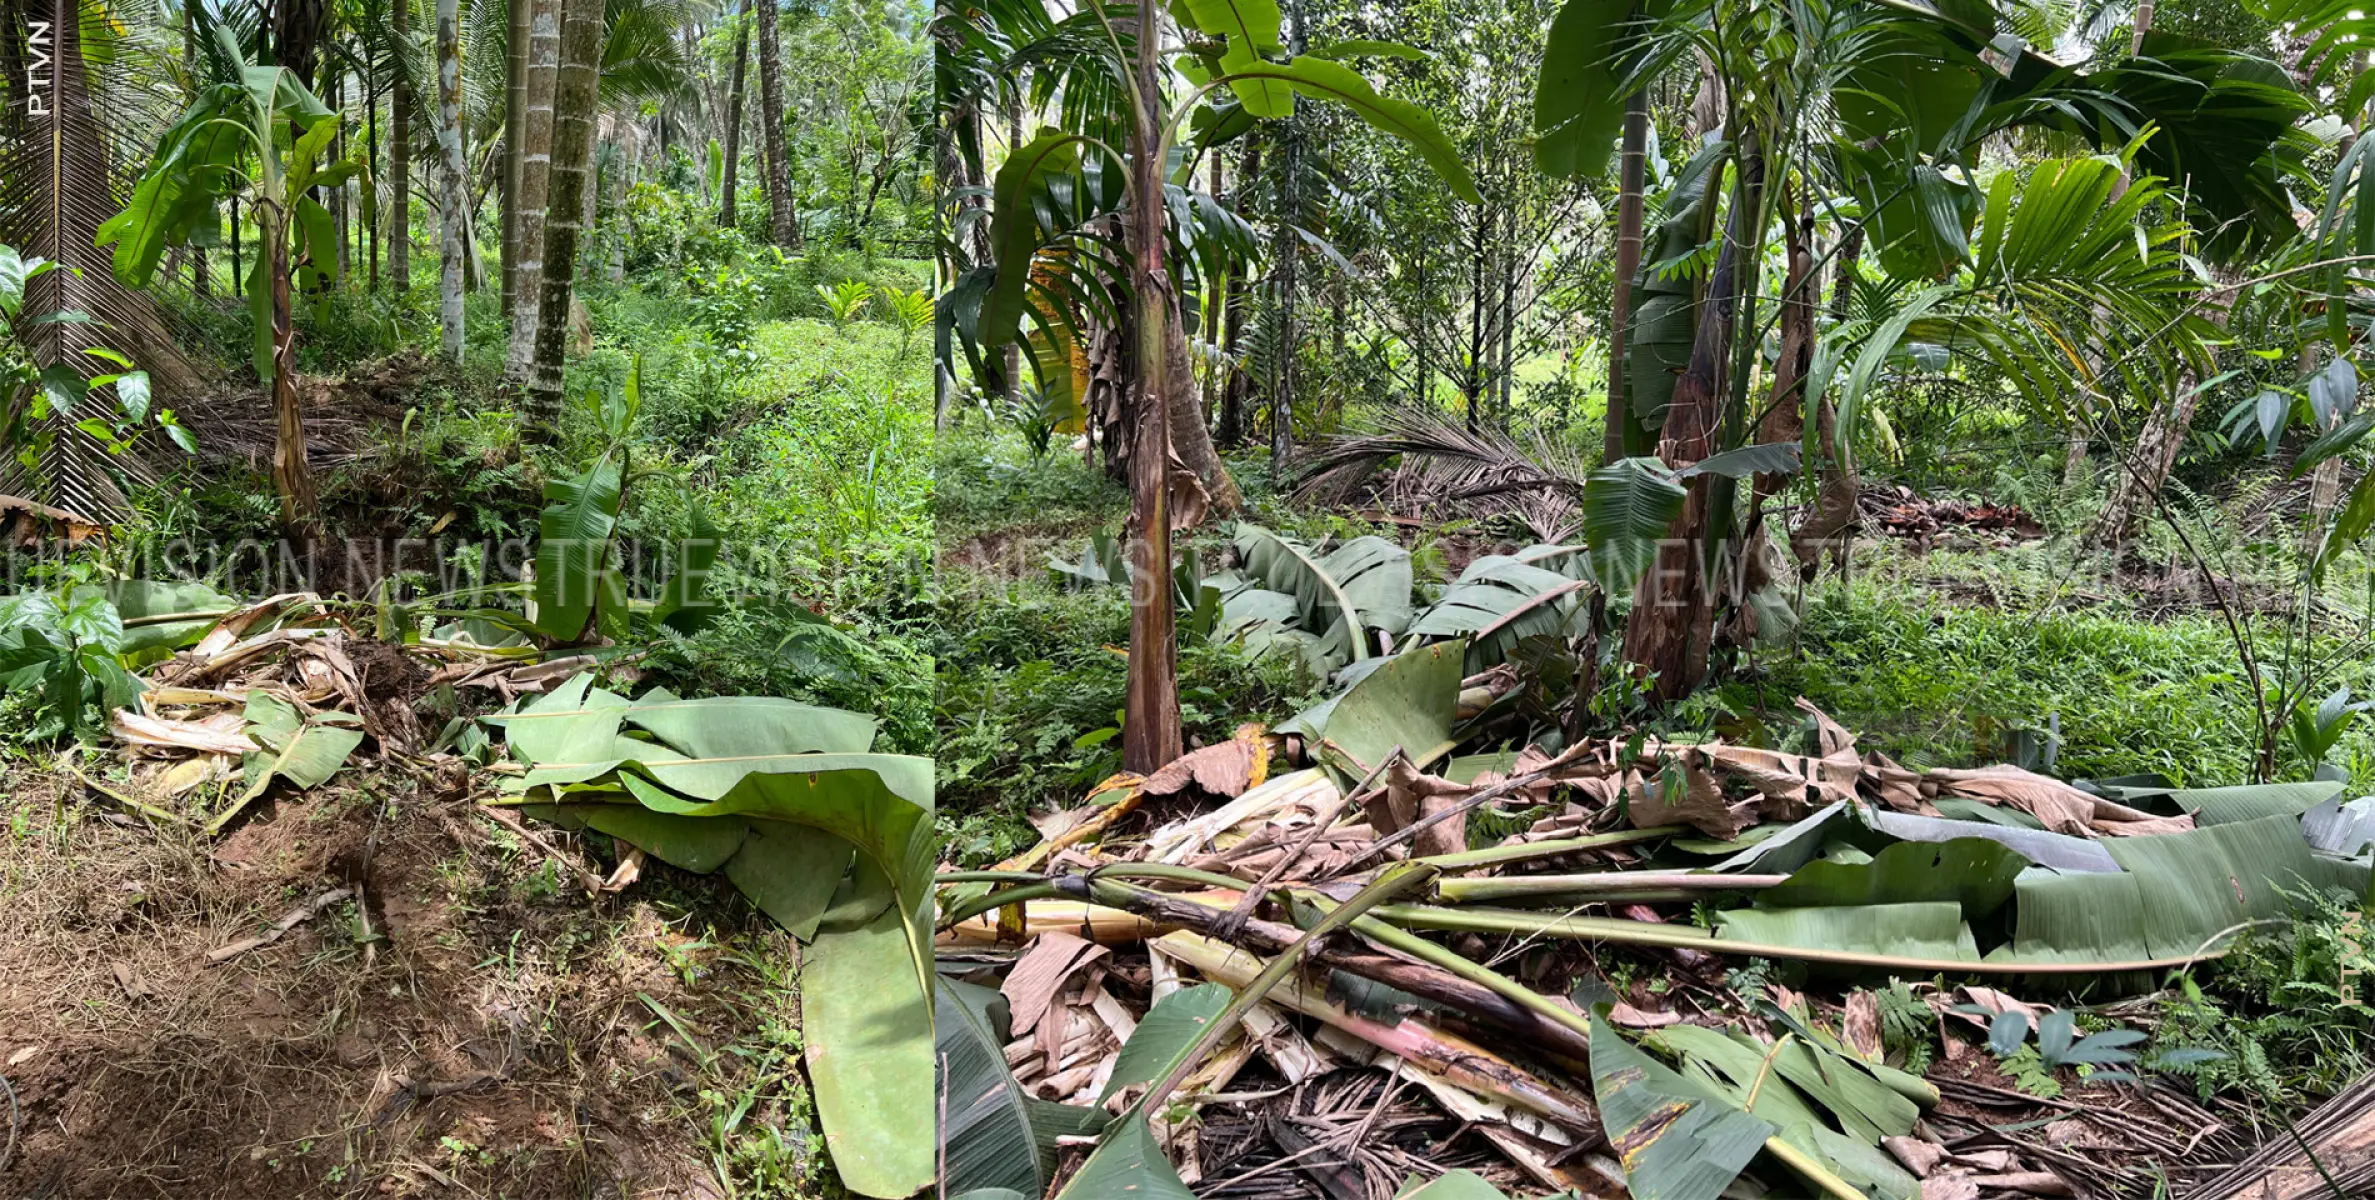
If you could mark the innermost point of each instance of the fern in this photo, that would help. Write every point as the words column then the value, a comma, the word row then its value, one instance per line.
column 2030, row 1074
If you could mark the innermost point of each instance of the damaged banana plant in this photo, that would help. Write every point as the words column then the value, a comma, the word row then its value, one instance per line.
column 830, row 840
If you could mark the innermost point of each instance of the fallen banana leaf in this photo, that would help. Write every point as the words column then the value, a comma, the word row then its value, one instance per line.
column 1824, row 1106
column 1644, row 933
column 1975, row 873
column 1676, row 1137
column 1361, row 585
column 835, row 845
column 306, row 751
column 996, row 1136
column 1502, row 599
column 1454, row 1185
column 2221, row 806
column 1408, row 703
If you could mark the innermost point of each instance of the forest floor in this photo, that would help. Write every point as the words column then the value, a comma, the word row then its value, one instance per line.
column 448, row 1011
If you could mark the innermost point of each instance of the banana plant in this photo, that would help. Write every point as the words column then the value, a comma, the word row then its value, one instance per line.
column 252, row 132
column 1116, row 84
column 578, row 587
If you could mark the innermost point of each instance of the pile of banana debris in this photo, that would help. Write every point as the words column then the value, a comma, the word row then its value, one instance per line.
column 1342, row 960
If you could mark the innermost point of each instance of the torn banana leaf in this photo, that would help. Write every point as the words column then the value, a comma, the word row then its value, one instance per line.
column 1341, row 596
column 1501, row 599
column 1827, row 1106
column 1128, row 1160
column 1677, row 1138
column 304, row 750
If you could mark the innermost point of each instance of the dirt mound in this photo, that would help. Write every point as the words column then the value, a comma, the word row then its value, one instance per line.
column 446, row 1010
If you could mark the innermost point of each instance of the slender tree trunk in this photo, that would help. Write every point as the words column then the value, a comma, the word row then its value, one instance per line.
column 292, row 476
column 454, row 232
column 201, row 276
column 518, row 56
column 1282, row 366
column 1631, row 169
column 400, row 164
column 1671, row 627
column 573, row 152
column 783, row 215
column 532, row 168
column 1150, row 731
column 725, row 204
column 1836, row 492
column 1240, row 382
column 371, row 156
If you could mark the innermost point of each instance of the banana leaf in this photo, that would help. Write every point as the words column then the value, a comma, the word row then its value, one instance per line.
column 1505, row 598
column 1128, row 1161
column 1359, row 586
column 1410, row 703
column 1974, row 873
column 832, row 842
column 1626, row 508
column 1932, row 931
column 2218, row 806
column 1678, row 1138
column 1828, row 1107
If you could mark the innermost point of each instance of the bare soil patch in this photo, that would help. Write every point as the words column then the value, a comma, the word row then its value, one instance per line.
column 467, row 1021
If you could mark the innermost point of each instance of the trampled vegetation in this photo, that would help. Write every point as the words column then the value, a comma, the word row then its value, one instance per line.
column 1034, row 600
column 1676, row 600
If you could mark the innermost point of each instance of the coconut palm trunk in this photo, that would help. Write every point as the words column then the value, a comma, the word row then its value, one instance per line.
column 454, row 231
column 400, row 162
column 573, row 151
column 728, row 184
column 783, row 216
column 534, row 183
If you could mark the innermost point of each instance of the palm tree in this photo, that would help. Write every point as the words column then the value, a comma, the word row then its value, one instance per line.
column 534, row 181
column 454, row 232
column 783, row 216
column 574, row 101
column 727, row 183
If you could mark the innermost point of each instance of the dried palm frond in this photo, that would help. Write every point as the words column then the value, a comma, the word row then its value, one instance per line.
column 72, row 136
column 1443, row 460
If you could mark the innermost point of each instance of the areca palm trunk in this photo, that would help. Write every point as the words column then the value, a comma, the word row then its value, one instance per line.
column 400, row 163
column 783, row 217
column 1630, row 172
column 1836, row 488
column 515, row 118
column 454, row 231
column 533, row 183
column 727, row 182
column 573, row 152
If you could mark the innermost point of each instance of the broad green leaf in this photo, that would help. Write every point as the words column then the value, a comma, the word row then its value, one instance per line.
column 1321, row 79
column 1515, row 598
column 1578, row 109
column 1165, row 1033
column 1677, row 1138
column 1128, row 1162
column 684, row 604
column 1626, row 508
column 869, row 1053
column 997, row 1135
column 1932, row 931
column 1251, row 30
column 1453, row 1185
column 2218, row 806
column 1014, row 228
column 1410, row 702
column 1359, row 586
column 1974, row 873
column 573, row 548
